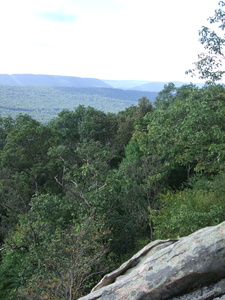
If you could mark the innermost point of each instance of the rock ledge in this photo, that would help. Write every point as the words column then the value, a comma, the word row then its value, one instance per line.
column 188, row 268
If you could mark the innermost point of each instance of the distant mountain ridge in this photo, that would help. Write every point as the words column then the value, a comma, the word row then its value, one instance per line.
column 145, row 86
column 50, row 80
column 79, row 82
column 44, row 96
column 125, row 84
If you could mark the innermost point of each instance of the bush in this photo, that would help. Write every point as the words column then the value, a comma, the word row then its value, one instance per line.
column 185, row 211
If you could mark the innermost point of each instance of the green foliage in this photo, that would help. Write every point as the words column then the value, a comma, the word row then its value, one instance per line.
column 25, row 166
column 6, row 125
column 53, row 178
column 84, row 124
column 8, row 268
column 128, row 119
column 81, row 194
column 185, row 211
column 54, row 251
column 124, row 211
column 210, row 62
column 95, row 125
column 184, row 136
column 44, row 102
column 186, row 132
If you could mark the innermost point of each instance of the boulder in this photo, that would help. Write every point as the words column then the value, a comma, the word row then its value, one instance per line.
column 187, row 268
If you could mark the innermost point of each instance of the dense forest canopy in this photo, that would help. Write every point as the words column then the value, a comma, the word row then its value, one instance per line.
column 43, row 103
column 81, row 193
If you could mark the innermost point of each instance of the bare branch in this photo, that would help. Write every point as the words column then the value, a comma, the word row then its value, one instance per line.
column 76, row 195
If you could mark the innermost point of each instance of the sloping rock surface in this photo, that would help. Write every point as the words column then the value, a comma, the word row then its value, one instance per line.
column 189, row 268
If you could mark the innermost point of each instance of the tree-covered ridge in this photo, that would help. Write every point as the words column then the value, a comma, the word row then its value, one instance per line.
column 43, row 103
column 50, row 80
column 81, row 193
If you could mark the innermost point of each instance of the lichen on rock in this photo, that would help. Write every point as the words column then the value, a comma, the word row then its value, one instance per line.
column 187, row 268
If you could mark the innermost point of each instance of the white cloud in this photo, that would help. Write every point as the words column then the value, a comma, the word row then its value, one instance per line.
column 114, row 39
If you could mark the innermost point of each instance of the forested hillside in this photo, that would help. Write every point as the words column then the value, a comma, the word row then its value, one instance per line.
column 50, row 80
column 83, row 192
column 43, row 103
column 141, row 85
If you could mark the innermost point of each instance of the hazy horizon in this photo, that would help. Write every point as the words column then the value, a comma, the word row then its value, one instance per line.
column 107, row 39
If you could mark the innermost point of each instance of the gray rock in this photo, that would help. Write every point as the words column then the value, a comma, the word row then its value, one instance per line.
column 188, row 268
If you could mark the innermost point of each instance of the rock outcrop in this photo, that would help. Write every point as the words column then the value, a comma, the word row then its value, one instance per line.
column 188, row 268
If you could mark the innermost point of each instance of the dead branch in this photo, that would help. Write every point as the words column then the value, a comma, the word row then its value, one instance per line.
column 76, row 195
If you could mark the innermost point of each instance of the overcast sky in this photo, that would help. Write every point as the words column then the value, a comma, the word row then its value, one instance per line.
column 155, row 40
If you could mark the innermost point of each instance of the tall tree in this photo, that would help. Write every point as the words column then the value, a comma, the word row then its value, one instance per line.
column 25, row 167
column 210, row 62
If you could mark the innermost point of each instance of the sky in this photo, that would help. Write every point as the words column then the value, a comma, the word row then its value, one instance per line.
column 152, row 40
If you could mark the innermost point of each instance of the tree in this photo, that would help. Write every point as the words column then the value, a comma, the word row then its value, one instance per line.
column 6, row 125
column 64, row 202
column 53, row 255
column 26, row 168
column 128, row 119
column 210, row 62
column 84, row 123
column 66, row 126
column 184, row 135
column 166, row 95
column 200, row 204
